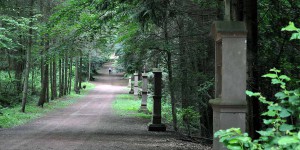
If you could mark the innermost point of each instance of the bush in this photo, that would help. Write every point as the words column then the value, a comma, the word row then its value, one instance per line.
column 280, row 134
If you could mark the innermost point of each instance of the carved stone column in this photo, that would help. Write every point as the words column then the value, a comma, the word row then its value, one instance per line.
column 136, row 86
column 156, row 124
column 144, row 93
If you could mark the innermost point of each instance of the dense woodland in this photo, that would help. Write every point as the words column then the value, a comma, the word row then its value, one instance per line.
column 48, row 47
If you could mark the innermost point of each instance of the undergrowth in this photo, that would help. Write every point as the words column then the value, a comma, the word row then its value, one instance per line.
column 127, row 105
column 12, row 116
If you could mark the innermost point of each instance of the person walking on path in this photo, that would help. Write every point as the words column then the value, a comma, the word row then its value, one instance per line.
column 109, row 70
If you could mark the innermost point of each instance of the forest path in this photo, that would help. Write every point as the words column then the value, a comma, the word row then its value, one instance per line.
column 91, row 124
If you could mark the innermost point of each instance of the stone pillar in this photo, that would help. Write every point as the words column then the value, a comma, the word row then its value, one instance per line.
column 156, row 124
column 136, row 86
column 129, row 81
column 229, row 107
column 144, row 93
column 130, row 85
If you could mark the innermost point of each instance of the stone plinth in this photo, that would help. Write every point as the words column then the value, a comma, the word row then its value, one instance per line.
column 136, row 86
column 156, row 124
column 144, row 93
column 229, row 107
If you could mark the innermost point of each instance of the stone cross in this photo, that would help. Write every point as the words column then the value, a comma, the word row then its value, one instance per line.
column 136, row 86
column 144, row 93
column 156, row 124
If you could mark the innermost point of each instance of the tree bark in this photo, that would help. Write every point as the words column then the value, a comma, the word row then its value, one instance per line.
column 54, row 90
column 254, row 119
column 28, row 58
column 76, row 87
column 80, row 71
column 66, row 74
column 60, row 74
column 70, row 75
column 51, row 80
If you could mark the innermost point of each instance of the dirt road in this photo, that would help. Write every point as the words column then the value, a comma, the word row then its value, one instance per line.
column 91, row 124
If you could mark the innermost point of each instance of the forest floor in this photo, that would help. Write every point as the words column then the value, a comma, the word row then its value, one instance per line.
column 91, row 124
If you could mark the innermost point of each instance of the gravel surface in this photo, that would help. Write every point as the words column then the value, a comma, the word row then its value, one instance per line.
column 91, row 124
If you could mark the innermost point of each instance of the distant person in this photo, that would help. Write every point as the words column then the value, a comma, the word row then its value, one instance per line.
column 109, row 70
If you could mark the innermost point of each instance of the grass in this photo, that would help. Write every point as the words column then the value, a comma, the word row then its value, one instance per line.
column 127, row 105
column 10, row 117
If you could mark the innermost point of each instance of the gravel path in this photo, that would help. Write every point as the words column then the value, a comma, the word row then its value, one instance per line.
column 91, row 124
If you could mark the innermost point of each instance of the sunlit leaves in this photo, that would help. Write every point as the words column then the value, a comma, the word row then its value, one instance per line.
column 292, row 28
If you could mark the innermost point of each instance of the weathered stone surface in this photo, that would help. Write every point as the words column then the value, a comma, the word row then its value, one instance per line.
column 229, row 107
column 136, row 86
column 144, row 93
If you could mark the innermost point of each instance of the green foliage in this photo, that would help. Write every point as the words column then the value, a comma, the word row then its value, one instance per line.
column 292, row 28
column 280, row 134
column 12, row 116
column 128, row 105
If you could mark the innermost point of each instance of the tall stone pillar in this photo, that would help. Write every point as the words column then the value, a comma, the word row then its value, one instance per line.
column 136, row 86
column 129, row 81
column 229, row 107
column 130, row 85
column 144, row 93
column 156, row 124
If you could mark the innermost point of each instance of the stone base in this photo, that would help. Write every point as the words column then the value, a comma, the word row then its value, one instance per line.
column 131, row 91
column 144, row 109
column 157, row 127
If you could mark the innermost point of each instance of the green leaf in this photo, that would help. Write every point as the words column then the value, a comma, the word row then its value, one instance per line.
column 270, row 113
column 284, row 77
column 280, row 95
column 268, row 121
column 290, row 27
column 293, row 99
column 275, row 70
column 234, row 147
column 275, row 107
column 286, row 127
column 270, row 75
column 233, row 141
column 295, row 36
column 284, row 113
column 287, row 140
column 299, row 135
column 276, row 81
column 250, row 93
column 266, row 133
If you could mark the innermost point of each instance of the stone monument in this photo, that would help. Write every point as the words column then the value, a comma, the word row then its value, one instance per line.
column 136, row 86
column 229, row 105
column 144, row 93
column 156, row 124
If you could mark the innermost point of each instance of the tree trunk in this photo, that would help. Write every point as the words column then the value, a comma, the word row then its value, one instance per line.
column 70, row 75
column 51, row 80
column 80, row 72
column 60, row 74
column 170, row 71
column 254, row 119
column 54, row 90
column 63, row 76
column 28, row 58
column 89, row 66
column 76, row 88
column 66, row 74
